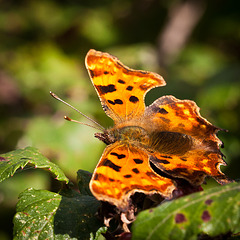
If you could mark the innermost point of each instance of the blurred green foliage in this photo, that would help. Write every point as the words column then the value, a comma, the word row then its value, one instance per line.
column 43, row 45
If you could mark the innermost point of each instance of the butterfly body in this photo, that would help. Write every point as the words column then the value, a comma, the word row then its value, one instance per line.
column 151, row 139
column 169, row 134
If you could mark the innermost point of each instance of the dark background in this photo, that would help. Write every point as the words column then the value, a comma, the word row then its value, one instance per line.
column 193, row 44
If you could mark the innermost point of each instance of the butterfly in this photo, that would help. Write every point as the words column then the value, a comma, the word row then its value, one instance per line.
column 170, row 135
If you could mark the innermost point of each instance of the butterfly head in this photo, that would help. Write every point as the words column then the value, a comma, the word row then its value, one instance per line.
column 107, row 137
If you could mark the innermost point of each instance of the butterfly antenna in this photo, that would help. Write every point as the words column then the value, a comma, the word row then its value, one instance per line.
column 71, row 120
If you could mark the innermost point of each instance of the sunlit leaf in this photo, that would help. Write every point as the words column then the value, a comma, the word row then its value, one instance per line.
column 12, row 161
column 212, row 212
column 45, row 215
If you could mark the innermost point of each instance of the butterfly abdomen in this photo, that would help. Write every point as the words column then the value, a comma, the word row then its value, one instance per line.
column 171, row 142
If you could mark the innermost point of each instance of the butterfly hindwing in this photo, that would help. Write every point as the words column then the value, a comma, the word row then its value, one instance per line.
column 120, row 89
column 193, row 167
column 194, row 151
column 123, row 170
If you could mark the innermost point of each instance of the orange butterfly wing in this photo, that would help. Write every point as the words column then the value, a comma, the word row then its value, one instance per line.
column 194, row 152
column 120, row 89
column 124, row 169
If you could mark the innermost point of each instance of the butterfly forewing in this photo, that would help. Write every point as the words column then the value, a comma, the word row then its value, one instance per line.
column 120, row 89
column 172, row 114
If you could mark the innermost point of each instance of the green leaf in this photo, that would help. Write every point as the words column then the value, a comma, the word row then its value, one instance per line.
column 83, row 178
column 12, row 161
column 98, row 233
column 35, row 214
column 213, row 212
column 77, row 216
column 45, row 215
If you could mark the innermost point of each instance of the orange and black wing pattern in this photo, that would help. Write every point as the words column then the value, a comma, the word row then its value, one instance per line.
column 190, row 148
column 122, row 171
column 120, row 89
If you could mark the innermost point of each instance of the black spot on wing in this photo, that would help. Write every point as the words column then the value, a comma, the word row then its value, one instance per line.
column 135, row 170
column 128, row 176
column 106, row 72
column 121, row 81
column 138, row 161
column 110, row 164
column 105, row 89
column 111, row 102
column 119, row 156
column 116, row 101
column 129, row 88
column 133, row 99
column 162, row 111
column 157, row 109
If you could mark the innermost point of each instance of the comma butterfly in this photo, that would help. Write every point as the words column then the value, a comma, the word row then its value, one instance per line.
column 166, row 148
column 170, row 135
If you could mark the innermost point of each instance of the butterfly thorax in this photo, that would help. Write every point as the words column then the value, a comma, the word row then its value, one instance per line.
column 133, row 134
